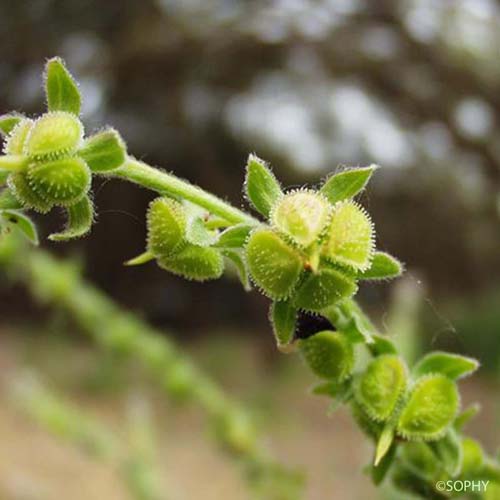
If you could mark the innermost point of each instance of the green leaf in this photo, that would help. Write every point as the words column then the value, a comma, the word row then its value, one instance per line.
column 261, row 187
column 347, row 184
column 384, row 443
column 283, row 315
column 452, row 366
column 379, row 472
column 449, row 451
column 234, row 237
column 23, row 223
column 383, row 266
column 464, row 417
column 8, row 123
column 104, row 151
column 239, row 263
column 80, row 218
column 60, row 88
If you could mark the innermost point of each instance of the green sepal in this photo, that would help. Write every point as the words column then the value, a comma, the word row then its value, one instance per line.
column 430, row 409
column 80, row 218
column 452, row 366
column 20, row 187
column 379, row 471
column 384, row 443
column 54, row 135
column 379, row 389
column 449, row 451
column 16, row 140
column 196, row 231
column 234, row 236
column 104, row 151
column 321, row 290
column 8, row 122
column 166, row 222
column 383, row 266
column 329, row 355
column 381, row 344
column 464, row 417
column 274, row 266
column 347, row 184
column 194, row 263
column 60, row 88
column 261, row 187
column 348, row 317
column 22, row 222
column 283, row 316
column 62, row 182
column 236, row 258
column 341, row 391
column 143, row 258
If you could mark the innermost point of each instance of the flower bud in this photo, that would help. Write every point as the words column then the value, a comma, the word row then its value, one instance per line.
column 302, row 216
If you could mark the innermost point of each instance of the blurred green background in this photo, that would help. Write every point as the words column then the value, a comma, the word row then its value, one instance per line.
column 194, row 86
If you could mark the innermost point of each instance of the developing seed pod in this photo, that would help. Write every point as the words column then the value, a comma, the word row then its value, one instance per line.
column 301, row 216
column 431, row 407
column 194, row 263
column 274, row 266
column 167, row 222
column 54, row 135
column 14, row 144
column 322, row 289
column 19, row 185
column 61, row 182
column 379, row 389
column 349, row 240
column 329, row 355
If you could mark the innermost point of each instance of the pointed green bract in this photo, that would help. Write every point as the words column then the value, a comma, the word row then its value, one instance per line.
column 452, row 366
column 283, row 315
column 234, row 237
column 384, row 443
column 383, row 266
column 430, row 409
column 345, row 185
column 379, row 389
column 54, row 135
column 104, row 151
column 302, row 216
column 329, row 355
column 167, row 223
column 322, row 289
column 194, row 263
column 62, row 182
column 80, row 218
column 349, row 240
column 261, row 187
column 23, row 223
column 20, row 187
column 9, row 122
column 60, row 88
column 274, row 266
column 14, row 144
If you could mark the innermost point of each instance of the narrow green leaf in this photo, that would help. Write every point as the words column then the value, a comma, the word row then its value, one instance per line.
column 384, row 443
column 283, row 315
column 60, row 88
column 379, row 472
column 8, row 122
column 383, row 266
column 143, row 258
column 347, row 184
column 464, row 417
column 239, row 263
column 234, row 237
column 23, row 223
column 452, row 366
column 261, row 187
column 80, row 218
column 104, row 151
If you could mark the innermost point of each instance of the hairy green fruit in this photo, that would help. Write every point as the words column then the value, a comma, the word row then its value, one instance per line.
column 167, row 222
column 14, row 144
column 274, row 266
column 379, row 389
column 431, row 407
column 20, row 186
column 329, row 355
column 350, row 236
column 302, row 216
column 54, row 135
column 322, row 289
column 61, row 182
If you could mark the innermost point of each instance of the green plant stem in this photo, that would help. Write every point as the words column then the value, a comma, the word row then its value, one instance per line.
column 164, row 183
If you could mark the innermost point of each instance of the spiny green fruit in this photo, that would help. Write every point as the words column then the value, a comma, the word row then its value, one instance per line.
column 14, row 144
column 167, row 222
column 194, row 263
column 430, row 409
column 302, row 216
column 19, row 185
column 379, row 389
column 322, row 289
column 54, row 135
column 274, row 266
column 62, row 182
column 349, row 240
column 329, row 355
